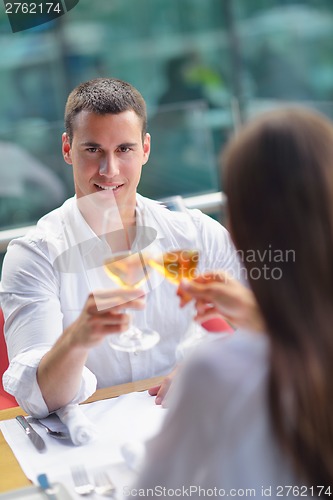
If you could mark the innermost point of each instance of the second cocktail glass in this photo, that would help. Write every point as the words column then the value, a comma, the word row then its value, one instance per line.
column 177, row 264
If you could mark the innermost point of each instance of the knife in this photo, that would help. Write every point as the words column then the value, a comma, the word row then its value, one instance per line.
column 34, row 437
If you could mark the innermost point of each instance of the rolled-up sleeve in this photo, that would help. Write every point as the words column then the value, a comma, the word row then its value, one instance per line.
column 20, row 380
column 34, row 321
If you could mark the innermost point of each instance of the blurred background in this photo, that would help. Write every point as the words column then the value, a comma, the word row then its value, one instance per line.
column 203, row 66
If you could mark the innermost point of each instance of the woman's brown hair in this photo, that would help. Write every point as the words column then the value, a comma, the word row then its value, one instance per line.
column 278, row 177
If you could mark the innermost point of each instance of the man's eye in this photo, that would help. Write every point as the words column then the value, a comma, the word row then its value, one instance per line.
column 124, row 149
column 92, row 150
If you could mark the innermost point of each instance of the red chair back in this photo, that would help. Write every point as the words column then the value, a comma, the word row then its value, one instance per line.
column 6, row 400
column 217, row 324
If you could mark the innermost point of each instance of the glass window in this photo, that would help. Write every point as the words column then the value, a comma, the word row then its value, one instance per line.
column 202, row 66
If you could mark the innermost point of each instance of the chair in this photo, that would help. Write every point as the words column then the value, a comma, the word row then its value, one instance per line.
column 6, row 400
column 217, row 324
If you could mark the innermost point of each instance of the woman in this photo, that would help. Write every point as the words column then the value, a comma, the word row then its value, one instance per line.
column 253, row 415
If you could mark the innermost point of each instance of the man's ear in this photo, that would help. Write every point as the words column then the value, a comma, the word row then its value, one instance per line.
column 66, row 149
column 146, row 148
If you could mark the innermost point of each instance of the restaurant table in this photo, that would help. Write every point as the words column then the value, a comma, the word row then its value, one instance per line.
column 11, row 474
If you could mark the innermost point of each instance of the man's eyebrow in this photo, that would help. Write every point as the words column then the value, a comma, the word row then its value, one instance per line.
column 96, row 145
column 127, row 145
column 90, row 144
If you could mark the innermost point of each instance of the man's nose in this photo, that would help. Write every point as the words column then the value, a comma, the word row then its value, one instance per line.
column 108, row 166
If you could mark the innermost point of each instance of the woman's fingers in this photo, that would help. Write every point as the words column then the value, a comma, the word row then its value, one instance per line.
column 205, row 290
column 232, row 299
column 218, row 275
column 186, row 290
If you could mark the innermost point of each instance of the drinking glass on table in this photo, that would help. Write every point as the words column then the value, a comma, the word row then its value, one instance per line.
column 126, row 264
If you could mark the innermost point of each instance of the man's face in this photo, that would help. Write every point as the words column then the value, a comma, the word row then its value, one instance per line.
column 107, row 155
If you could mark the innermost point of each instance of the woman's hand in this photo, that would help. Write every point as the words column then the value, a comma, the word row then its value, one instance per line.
column 217, row 293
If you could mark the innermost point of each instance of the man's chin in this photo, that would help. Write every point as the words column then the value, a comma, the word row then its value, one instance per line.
column 98, row 200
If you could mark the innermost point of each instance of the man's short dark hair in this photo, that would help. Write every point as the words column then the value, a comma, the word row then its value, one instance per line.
column 103, row 96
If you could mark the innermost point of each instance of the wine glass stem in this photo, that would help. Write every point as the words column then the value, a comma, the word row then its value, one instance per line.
column 132, row 331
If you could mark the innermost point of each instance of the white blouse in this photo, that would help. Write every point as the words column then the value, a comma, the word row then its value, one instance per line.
column 217, row 435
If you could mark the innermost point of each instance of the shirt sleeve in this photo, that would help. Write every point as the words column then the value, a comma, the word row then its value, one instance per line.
column 34, row 321
column 20, row 380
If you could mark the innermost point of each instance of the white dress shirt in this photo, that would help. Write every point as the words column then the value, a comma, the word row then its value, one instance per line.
column 218, row 432
column 46, row 280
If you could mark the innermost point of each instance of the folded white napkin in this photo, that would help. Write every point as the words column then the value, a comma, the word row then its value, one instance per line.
column 81, row 429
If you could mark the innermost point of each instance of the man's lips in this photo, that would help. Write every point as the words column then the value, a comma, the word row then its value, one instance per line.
column 108, row 187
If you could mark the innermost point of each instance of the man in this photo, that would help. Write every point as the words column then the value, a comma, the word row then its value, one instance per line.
column 55, row 326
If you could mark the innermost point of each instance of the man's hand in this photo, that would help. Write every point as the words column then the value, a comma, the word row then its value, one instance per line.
column 160, row 391
column 103, row 314
column 217, row 293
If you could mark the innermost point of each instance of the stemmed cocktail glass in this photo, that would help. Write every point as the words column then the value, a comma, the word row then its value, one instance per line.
column 177, row 264
column 128, row 268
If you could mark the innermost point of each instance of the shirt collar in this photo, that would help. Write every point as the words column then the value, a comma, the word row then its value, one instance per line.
column 82, row 234
column 151, row 214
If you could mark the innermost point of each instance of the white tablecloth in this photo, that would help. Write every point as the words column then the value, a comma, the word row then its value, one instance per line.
column 130, row 418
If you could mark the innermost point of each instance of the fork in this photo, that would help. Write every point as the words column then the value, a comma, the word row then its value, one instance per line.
column 82, row 485
column 104, row 485
column 54, row 434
